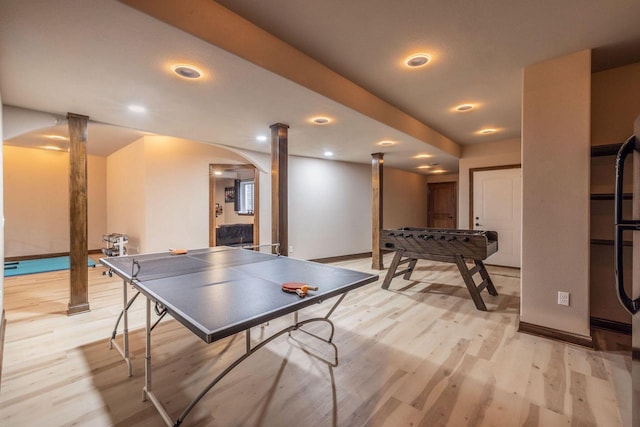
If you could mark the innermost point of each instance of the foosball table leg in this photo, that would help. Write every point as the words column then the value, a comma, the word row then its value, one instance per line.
column 487, row 279
column 471, row 286
column 392, row 269
column 410, row 268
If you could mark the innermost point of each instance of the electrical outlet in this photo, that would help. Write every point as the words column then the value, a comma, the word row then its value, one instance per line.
column 290, row 249
column 563, row 298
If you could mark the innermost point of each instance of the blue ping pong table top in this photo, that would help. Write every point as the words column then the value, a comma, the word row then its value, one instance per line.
column 218, row 292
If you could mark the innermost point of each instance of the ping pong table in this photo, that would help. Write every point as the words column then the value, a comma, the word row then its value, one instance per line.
column 221, row 291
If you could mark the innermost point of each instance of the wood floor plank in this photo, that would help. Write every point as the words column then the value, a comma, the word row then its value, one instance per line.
column 418, row 354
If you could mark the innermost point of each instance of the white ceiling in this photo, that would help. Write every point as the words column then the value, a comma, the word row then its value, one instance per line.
column 479, row 47
column 95, row 57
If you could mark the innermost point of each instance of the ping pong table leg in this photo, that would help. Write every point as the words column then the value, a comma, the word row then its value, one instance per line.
column 295, row 320
column 147, row 354
column 147, row 393
column 125, row 326
column 297, row 326
column 124, row 351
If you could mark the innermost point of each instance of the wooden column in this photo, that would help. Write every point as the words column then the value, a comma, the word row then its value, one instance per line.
column 78, row 246
column 279, row 187
column 377, row 167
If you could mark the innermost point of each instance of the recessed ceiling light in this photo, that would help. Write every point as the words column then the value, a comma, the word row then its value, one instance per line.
column 187, row 71
column 261, row 138
column 465, row 107
column 422, row 156
column 321, row 120
column 137, row 108
column 438, row 171
column 217, row 172
column 386, row 143
column 487, row 131
column 328, row 154
column 424, row 167
column 417, row 60
column 58, row 137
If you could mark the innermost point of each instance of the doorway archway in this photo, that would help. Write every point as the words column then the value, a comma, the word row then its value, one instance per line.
column 231, row 207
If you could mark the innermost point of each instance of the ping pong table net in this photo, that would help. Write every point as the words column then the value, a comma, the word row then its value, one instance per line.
column 143, row 268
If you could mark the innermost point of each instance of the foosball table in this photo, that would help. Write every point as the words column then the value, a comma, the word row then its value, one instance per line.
column 455, row 246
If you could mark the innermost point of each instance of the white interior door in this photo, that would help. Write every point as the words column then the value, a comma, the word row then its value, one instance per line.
column 497, row 206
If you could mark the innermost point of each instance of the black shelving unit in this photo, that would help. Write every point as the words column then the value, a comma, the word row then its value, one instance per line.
column 600, row 247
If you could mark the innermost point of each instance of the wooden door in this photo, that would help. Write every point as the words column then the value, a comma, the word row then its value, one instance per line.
column 497, row 207
column 442, row 205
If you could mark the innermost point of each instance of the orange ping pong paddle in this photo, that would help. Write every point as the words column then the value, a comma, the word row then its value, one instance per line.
column 298, row 287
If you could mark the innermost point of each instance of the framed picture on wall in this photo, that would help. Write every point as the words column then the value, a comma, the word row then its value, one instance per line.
column 229, row 194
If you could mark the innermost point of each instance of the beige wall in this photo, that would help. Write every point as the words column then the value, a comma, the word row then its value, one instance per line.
column 615, row 104
column 126, row 196
column 442, row 178
column 158, row 192
column 555, row 177
column 36, row 195
column 329, row 201
column 489, row 154
column 97, row 200
column 177, row 189
column 330, row 206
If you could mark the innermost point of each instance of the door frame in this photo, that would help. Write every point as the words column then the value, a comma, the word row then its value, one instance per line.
column 483, row 169
column 455, row 197
column 212, row 198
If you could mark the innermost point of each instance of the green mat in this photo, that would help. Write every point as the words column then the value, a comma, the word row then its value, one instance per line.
column 41, row 265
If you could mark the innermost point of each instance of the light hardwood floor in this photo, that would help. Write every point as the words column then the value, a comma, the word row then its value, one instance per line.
column 418, row 355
